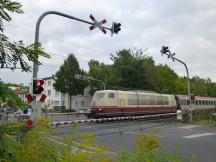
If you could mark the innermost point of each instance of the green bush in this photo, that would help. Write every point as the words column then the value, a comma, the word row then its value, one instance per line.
column 37, row 145
column 147, row 151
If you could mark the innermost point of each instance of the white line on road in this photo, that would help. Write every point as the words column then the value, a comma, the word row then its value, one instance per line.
column 86, row 127
column 89, row 147
column 199, row 135
column 143, row 133
column 189, row 126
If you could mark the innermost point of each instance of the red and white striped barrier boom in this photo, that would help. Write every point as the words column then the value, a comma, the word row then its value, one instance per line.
column 112, row 119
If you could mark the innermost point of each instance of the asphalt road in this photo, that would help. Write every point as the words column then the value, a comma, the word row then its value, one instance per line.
column 197, row 140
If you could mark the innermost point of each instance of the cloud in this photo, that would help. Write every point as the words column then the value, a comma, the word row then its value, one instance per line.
column 187, row 27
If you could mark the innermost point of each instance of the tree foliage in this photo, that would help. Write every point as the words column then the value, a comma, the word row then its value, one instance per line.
column 9, row 98
column 14, row 54
column 101, row 72
column 133, row 70
column 65, row 80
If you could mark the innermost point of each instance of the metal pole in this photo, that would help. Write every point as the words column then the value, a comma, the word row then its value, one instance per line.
column 35, row 66
column 189, row 93
column 188, row 85
column 91, row 78
column 37, row 110
column 188, row 79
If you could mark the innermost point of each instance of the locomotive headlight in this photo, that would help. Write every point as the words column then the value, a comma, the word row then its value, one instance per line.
column 100, row 109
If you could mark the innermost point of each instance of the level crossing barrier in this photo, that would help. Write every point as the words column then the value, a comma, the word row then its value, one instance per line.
column 113, row 119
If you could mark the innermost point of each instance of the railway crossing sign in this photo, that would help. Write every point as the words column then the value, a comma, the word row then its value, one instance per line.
column 97, row 24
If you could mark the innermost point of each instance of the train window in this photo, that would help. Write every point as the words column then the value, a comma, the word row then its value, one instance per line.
column 151, row 100
column 196, row 102
column 111, row 95
column 132, row 99
column 200, row 102
column 142, row 100
column 99, row 95
column 165, row 100
column 157, row 100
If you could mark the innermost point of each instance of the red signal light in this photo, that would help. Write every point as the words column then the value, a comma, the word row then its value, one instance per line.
column 37, row 86
column 39, row 83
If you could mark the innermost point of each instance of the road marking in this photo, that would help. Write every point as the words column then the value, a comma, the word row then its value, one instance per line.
column 75, row 148
column 198, row 135
column 189, row 126
column 141, row 132
column 87, row 127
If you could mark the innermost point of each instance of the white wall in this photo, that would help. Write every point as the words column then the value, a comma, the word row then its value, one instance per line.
column 58, row 99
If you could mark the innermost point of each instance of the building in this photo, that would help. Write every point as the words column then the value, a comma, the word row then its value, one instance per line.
column 56, row 100
column 21, row 92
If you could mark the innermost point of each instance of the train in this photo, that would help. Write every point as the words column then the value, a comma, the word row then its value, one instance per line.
column 110, row 103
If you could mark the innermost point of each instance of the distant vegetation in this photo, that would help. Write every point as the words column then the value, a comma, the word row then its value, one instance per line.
column 9, row 99
column 133, row 70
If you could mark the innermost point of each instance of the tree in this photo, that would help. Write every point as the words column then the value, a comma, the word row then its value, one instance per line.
column 164, row 79
column 101, row 72
column 129, row 69
column 9, row 98
column 15, row 53
column 65, row 81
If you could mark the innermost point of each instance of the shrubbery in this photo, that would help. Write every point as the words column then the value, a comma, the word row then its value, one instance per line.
column 39, row 144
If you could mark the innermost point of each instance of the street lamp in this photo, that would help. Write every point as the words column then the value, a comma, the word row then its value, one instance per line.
column 82, row 77
column 165, row 50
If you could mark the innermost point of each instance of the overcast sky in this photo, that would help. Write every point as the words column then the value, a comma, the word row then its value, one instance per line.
column 187, row 27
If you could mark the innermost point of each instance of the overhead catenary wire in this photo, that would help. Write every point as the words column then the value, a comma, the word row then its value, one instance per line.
column 76, row 45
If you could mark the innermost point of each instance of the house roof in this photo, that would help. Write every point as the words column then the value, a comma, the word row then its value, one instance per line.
column 48, row 78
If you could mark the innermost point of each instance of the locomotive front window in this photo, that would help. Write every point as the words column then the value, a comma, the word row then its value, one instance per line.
column 99, row 95
column 111, row 95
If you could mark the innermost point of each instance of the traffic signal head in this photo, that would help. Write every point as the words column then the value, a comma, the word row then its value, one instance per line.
column 164, row 49
column 37, row 86
column 115, row 27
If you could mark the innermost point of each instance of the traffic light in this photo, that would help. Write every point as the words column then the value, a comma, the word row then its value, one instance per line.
column 164, row 49
column 116, row 27
column 37, row 86
column 193, row 97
